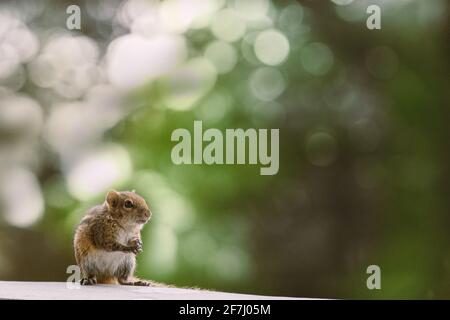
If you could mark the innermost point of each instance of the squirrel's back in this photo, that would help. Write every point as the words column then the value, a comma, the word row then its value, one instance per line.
column 83, row 242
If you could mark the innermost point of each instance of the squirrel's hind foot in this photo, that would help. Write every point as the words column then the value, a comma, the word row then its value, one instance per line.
column 142, row 283
column 137, row 282
column 88, row 281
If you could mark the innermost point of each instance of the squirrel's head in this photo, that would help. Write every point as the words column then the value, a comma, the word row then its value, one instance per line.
column 128, row 206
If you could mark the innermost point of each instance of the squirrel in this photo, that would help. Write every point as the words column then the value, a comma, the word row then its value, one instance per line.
column 108, row 239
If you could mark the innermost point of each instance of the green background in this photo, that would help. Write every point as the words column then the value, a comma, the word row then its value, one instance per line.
column 364, row 153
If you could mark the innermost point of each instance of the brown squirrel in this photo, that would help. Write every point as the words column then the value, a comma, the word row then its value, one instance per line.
column 108, row 239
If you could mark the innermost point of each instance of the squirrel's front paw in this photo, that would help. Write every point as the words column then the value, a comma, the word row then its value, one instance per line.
column 135, row 246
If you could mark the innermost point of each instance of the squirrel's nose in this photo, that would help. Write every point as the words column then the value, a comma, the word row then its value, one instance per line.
column 147, row 214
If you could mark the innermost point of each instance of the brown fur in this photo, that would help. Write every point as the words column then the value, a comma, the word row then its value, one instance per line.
column 108, row 239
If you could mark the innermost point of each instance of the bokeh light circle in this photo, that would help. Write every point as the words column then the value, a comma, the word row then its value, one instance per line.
column 228, row 26
column 21, row 197
column 317, row 58
column 97, row 171
column 267, row 83
column 342, row 2
column 271, row 47
column 222, row 55
column 321, row 148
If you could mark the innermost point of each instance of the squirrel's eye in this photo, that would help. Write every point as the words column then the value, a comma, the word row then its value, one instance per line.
column 128, row 204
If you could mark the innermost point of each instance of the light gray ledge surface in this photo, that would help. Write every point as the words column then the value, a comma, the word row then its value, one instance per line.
column 61, row 291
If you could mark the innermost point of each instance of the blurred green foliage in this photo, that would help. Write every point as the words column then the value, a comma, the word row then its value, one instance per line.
column 364, row 151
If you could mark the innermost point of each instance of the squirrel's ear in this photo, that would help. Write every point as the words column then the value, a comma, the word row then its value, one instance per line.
column 112, row 198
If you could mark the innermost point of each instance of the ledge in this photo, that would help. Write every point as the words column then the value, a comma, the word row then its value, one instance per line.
column 60, row 291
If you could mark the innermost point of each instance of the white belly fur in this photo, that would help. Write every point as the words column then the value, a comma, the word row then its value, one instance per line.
column 107, row 262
